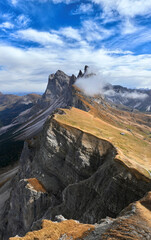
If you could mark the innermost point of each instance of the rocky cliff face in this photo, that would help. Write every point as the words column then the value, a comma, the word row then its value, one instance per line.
column 58, row 84
column 79, row 177
column 133, row 223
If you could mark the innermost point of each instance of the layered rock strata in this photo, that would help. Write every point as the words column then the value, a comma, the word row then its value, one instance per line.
column 133, row 223
column 79, row 177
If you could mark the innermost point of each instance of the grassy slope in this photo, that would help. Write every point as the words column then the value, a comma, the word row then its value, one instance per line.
column 69, row 229
column 133, row 150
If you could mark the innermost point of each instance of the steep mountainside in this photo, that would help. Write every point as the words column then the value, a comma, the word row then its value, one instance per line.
column 26, row 119
column 90, row 161
column 12, row 106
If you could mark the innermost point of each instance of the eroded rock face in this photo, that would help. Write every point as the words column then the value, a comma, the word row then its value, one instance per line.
column 26, row 206
column 133, row 223
column 58, row 84
column 78, row 172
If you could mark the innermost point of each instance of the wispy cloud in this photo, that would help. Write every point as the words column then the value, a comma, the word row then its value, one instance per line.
column 64, row 1
column 15, row 2
column 29, row 68
column 69, row 32
column 9, row 22
column 22, row 20
column 6, row 25
column 83, row 9
column 93, row 84
column 43, row 38
column 94, row 32
column 129, row 27
column 126, row 8
column 90, row 31
column 105, row 39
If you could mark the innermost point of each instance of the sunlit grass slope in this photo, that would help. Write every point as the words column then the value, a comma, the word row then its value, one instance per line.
column 134, row 150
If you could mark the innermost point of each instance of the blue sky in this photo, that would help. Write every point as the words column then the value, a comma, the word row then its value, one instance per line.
column 38, row 37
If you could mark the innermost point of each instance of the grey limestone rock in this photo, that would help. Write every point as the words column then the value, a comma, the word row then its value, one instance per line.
column 81, row 178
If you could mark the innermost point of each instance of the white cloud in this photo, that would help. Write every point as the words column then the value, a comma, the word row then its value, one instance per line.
column 126, row 8
column 6, row 25
column 43, row 38
column 70, row 32
column 83, row 9
column 27, row 70
column 96, row 84
column 92, row 31
column 22, row 20
column 125, row 94
column 14, row 2
column 128, row 27
column 63, row 1
column 9, row 22
column 119, row 51
column 92, row 85
column 134, row 95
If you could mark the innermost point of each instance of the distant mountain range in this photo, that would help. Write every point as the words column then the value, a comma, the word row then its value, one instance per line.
column 12, row 105
column 134, row 99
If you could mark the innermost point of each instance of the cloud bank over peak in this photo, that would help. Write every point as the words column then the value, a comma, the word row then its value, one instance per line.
column 93, row 83
column 126, row 94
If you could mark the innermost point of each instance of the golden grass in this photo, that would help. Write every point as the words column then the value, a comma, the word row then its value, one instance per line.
column 36, row 185
column 54, row 231
column 133, row 150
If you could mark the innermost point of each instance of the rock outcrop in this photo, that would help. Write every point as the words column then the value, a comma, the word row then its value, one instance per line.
column 28, row 204
column 133, row 223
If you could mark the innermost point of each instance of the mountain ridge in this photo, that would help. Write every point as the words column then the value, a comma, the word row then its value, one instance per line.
column 90, row 161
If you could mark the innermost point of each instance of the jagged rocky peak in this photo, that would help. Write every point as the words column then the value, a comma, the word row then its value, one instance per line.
column 81, row 74
column 87, row 72
column 58, row 84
